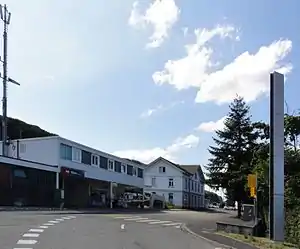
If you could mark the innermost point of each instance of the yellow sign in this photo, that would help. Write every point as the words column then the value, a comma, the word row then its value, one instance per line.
column 253, row 192
column 252, row 181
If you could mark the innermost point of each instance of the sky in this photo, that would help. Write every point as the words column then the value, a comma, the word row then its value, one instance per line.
column 143, row 79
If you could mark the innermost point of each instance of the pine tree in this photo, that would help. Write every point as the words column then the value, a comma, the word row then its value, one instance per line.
column 231, row 156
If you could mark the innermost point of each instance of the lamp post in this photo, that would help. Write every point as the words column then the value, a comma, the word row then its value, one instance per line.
column 5, row 17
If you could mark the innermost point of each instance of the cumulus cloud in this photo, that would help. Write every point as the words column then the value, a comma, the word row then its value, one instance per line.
column 169, row 152
column 161, row 15
column 247, row 75
column 212, row 126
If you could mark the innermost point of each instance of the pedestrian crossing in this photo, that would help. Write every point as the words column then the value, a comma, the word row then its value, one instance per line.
column 149, row 221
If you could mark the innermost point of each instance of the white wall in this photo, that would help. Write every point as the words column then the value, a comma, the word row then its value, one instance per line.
column 162, row 179
column 42, row 150
column 47, row 150
column 95, row 172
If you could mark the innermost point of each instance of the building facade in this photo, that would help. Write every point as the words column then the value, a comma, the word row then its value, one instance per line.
column 83, row 175
column 182, row 185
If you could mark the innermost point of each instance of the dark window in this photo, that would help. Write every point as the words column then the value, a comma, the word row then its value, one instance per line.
column 103, row 162
column 65, row 152
column 140, row 173
column 19, row 173
column 129, row 170
column 117, row 166
column 86, row 157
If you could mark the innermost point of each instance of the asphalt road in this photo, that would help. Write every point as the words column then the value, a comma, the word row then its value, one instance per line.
column 32, row 230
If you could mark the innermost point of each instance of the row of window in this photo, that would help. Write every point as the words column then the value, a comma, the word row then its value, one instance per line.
column 195, row 186
column 81, row 156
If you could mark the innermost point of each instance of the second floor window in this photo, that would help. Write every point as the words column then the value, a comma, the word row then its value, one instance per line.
column 123, row 168
column 111, row 165
column 162, row 169
column 153, row 181
column 65, row 152
column 171, row 182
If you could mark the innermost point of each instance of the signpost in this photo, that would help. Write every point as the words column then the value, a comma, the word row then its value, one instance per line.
column 252, row 184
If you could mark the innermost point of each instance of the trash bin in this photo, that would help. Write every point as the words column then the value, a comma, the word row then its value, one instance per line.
column 249, row 212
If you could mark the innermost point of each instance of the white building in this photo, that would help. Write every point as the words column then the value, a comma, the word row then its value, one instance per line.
column 95, row 171
column 182, row 185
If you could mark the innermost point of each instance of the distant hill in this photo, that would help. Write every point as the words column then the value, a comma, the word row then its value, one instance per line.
column 18, row 129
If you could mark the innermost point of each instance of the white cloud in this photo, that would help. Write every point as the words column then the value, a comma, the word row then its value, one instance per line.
column 160, row 108
column 212, row 126
column 170, row 152
column 161, row 15
column 191, row 70
column 246, row 76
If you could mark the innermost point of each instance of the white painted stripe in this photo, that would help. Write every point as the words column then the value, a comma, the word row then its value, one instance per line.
column 67, row 218
column 59, row 219
column 49, row 224
column 21, row 248
column 43, row 227
column 72, row 217
column 136, row 219
column 26, row 242
column 53, row 221
column 159, row 222
column 36, row 230
column 34, row 235
column 171, row 224
column 178, row 226
column 126, row 217
column 145, row 220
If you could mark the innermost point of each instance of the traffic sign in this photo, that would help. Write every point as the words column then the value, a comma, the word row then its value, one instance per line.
column 252, row 180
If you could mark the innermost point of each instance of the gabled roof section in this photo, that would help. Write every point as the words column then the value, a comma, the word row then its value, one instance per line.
column 169, row 162
column 193, row 169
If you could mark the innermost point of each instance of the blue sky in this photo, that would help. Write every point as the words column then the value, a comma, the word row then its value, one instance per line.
column 86, row 69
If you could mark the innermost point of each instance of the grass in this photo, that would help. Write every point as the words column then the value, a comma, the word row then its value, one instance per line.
column 262, row 243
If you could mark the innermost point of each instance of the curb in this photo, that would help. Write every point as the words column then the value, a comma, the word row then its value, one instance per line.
column 184, row 228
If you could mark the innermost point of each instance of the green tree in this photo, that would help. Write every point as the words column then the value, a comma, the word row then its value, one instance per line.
column 232, row 155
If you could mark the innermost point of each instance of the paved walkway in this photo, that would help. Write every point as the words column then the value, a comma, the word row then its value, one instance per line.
column 209, row 233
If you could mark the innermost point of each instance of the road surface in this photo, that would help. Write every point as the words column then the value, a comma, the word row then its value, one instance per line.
column 89, row 231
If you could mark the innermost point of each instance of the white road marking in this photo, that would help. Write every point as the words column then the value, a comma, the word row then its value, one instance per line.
column 132, row 219
column 26, row 242
column 122, row 226
column 22, row 248
column 53, row 221
column 178, row 226
column 72, row 217
column 59, row 219
column 67, row 218
column 172, row 224
column 36, row 230
column 159, row 222
column 126, row 217
column 34, row 235
column 146, row 220
column 43, row 227
column 49, row 224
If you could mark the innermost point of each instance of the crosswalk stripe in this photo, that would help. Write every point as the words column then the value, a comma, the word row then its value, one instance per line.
column 159, row 222
column 171, row 224
column 136, row 219
column 146, row 220
column 125, row 217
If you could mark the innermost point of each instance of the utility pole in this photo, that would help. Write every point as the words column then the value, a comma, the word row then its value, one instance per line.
column 5, row 17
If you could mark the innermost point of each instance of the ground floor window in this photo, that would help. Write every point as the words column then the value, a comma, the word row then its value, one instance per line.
column 171, row 198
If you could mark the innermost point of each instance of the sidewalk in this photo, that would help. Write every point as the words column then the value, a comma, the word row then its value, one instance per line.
column 209, row 232
column 222, row 240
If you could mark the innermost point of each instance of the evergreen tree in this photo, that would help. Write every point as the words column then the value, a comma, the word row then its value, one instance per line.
column 232, row 155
